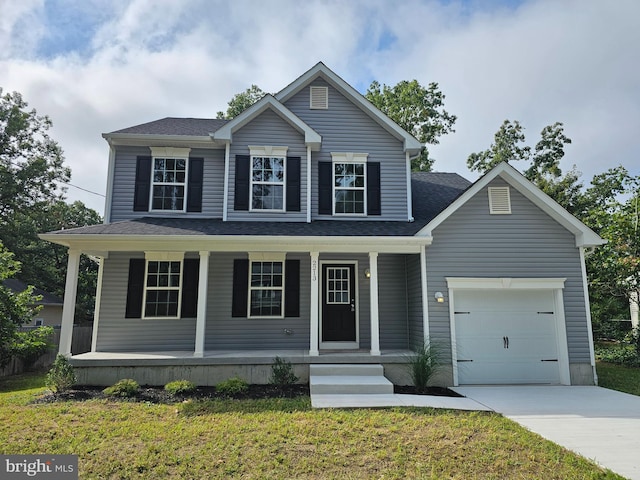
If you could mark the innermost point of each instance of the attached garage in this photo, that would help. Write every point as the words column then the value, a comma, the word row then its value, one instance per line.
column 508, row 331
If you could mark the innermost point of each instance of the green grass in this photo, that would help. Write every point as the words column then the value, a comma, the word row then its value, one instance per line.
column 617, row 377
column 276, row 438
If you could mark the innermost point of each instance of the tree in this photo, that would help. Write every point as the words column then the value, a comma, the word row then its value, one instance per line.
column 31, row 163
column 418, row 110
column 241, row 101
column 15, row 308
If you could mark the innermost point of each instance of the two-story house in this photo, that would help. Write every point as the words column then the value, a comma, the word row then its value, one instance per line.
column 297, row 229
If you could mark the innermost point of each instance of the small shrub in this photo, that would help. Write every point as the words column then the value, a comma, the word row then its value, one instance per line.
column 619, row 355
column 30, row 345
column 423, row 365
column 180, row 387
column 282, row 373
column 232, row 386
column 61, row 376
column 126, row 387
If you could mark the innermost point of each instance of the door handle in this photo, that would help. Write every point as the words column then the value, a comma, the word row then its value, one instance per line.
column 353, row 305
column 505, row 342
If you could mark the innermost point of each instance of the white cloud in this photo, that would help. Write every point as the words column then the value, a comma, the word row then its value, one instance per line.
column 538, row 62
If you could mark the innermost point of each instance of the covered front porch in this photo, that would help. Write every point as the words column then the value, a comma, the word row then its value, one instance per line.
column 161, row 367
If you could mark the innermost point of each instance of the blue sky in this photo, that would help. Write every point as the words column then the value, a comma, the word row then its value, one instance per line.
column 96, row 66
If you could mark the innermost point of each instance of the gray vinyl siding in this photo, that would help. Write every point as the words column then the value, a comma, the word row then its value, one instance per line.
column 117, row 333
column 414, row 302
column 392, row 296
column 525, row 244
column 269, row 129
column 125, row 176
column 225, row 332
column 346, row 128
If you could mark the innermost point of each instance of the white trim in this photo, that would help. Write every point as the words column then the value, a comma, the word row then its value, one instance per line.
column 201, row 318
column 96, row 312
column 109, row 193
column 504, row 283
column 225, row 200
column 168, row 257
column 410, row 143
column 587, row 308
column 556, row 285
column 308, row 184
column 314, row 328
column 349, row 157
column 268, row 151
column 268, row 102
column 584, row 236
column 374, row 303
column 184, row 184
column 268, row 257
column 409, row 189
column 170, row 152
column 163, row 256
column 355, row 158
column 340, row 345
column 425, row 295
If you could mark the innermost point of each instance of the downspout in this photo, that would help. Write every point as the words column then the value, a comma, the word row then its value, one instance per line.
column 409, row 195
column 225, row 201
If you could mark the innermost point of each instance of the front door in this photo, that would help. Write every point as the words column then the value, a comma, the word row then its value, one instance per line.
column 338, row 305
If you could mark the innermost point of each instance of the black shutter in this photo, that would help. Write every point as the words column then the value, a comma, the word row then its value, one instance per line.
column 135, row 288
column 292, row 288
column 194, row 187
column 325, row 189
column 293, row 184
column 143, row 184
column 191, row 269
column 240, row 287
column 241, row 201
column 373, row 189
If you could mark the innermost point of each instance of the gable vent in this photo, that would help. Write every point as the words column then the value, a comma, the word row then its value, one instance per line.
column 319, row 98
column 499, row 200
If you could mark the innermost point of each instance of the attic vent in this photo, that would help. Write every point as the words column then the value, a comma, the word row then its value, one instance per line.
column 319, row 98
column 499, row 200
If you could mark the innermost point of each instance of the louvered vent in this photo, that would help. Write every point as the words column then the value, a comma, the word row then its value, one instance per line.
column 499, row 200
column 319, row 98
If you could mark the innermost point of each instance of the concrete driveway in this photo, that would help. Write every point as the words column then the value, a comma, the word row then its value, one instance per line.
column 600, row 424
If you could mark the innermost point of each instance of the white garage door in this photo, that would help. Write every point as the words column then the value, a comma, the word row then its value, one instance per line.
column 506, row 336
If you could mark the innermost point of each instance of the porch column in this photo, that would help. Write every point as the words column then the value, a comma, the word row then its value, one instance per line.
column 69, row 305
column 375, row 317
column 315, row 307
column 201, row 319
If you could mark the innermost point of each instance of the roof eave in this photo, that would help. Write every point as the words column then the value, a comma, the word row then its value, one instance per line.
column 155, row 140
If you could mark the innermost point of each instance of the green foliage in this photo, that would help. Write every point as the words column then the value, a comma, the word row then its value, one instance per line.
column 506, row 147
column 61, row 376
column 417, row 109
column 15, row 308
column 423, row 365
column 126, row 387
column 241, row 101
column 232, row 386
column 622, row 354
column 282, row 373
column 611, row 329
column 30, row 345
column 180, row 387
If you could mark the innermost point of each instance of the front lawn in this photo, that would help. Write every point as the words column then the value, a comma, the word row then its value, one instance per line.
column 276, row 438
column 618, row 377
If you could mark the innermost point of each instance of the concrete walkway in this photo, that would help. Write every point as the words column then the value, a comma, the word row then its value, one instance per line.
column 599, row 424
column 394, row 400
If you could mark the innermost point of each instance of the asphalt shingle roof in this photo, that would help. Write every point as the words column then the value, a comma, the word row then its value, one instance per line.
column 19, row 286
column 199, row 127
column 432, row 193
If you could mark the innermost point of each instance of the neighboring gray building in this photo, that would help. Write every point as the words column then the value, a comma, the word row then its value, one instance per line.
column 297, row 229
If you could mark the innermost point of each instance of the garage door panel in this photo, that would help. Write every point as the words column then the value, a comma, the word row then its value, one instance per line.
column 506, row 336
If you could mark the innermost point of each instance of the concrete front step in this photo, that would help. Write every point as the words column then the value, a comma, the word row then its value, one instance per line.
column 348, row 380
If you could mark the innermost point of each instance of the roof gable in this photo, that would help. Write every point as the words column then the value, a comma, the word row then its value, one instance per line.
column 268, row 102
column 411, row 144
column 585, row 237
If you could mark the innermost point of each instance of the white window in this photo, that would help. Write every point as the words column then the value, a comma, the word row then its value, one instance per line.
column 162, row 285
column 169, row 178
column 349, row 183
column 268, row 178
column 266, row 285
column 39, row 322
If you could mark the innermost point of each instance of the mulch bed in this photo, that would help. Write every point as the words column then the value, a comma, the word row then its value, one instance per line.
column 159, row 395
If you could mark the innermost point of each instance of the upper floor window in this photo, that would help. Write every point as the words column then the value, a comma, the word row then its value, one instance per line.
column 268, row 178
column 349, row 183
column 169, row 184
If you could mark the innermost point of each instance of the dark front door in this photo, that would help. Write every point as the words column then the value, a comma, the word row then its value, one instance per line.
column 338, row 303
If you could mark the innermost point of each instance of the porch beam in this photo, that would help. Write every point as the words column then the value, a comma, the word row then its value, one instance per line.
column 69, row 305
column 315, row 307
column 201, row 319
column 375, row 316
